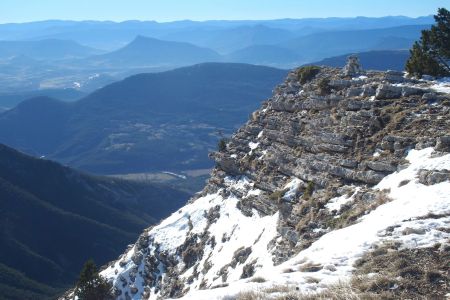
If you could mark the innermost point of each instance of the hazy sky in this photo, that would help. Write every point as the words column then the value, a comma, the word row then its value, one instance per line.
column 168, row 10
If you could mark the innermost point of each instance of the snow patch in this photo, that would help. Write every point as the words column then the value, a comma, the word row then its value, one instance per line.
column 253, row 146
column 377, row 153
column 175, row 174
column 292, row 189
column 442, row 85
column 336, row 203
column 362, row 77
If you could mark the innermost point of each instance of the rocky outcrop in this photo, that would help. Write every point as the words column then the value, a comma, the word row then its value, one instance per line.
column 353, row 66
column 430, row 177
column 330, row 137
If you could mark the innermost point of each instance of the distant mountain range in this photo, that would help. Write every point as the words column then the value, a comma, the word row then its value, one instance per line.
column 63, row 54
column 258, row 45
column 111, row 35
column 228, row 40
column 54, row 218
column 322, row 45
column 10, row 100
column 161, row 121
column 269, row 55
column 51, row 49
column 372, row 60
column 145, row 51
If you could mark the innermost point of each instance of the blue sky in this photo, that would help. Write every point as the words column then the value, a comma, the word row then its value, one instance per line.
column 169, row 10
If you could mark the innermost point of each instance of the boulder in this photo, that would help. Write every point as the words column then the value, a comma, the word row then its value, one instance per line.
column 226, row 163
column 354, row 92
column 381, row 166
column 409, row 91
column 349, row 163
column 429, row 97
column 137, row 257
column 428, row 177
column 133, row 289
column 409, row 230
column 387, row 91
column 443, row 143
column 394, row 76
column 370, row 177
column 340, row 83
column 368, row 91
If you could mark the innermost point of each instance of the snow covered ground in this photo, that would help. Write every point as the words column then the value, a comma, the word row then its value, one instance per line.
column 441, row 85
column 336, row 251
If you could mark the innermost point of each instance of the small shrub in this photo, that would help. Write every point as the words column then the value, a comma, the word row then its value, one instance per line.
column 308, row 190
column 433, row 276
column 310, row 279
column 324, row 86
column 222, row 144
column 288, row 270
column 276, row 195
column 403, row 182
column 277, row 288
column 258, row 279
column 249, row 295
column 218, row 286
column 308, row 73
column 290, row 296
column 310, row 267
column 411, row 272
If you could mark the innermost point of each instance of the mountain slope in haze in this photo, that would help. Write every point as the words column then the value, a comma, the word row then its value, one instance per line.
column 10, row 100
column 50, row 49
column 327, row 44
column 112, row 35
column 277, row 43
column 143, row 51
column 54, row 218
column 371, row 60
column 227, row 40
column 268, row 55
column 162, row 121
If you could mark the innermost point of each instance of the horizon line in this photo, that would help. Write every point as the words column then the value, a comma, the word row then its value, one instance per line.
column 212, row 20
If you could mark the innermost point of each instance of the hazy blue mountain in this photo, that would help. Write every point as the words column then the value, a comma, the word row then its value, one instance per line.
column 320, row 45
column 394, row 42
column 51, row 49
column 112, row 35
column 9, row 100
column 266, row 55
column 161, row 121
column 359, row 23
column 144, row 51
column 54, row 218
column 228, row 40
column 283, row 43
column 22, row 75
column 327, row 44
column 372, row 60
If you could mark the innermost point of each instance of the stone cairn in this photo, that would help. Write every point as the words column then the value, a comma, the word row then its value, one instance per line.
column 353, row 66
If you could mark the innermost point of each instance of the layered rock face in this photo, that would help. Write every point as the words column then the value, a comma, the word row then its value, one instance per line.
column 313, row 162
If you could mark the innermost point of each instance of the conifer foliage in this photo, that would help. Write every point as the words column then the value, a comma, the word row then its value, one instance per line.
column 431, row 55
column 91, row 286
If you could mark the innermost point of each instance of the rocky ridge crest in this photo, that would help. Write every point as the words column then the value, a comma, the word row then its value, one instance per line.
column 274, row 189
